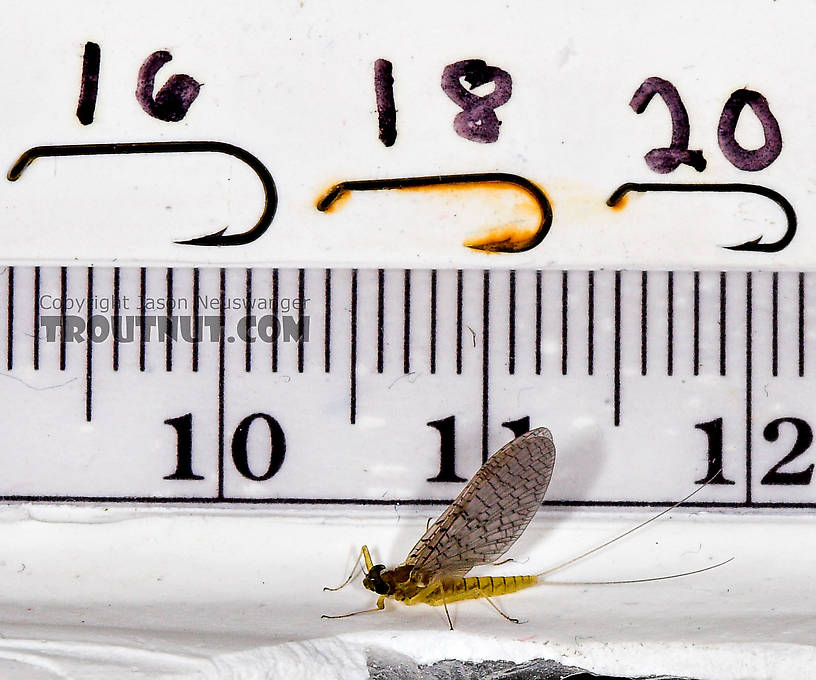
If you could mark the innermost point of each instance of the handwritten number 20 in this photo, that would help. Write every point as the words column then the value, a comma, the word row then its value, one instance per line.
column 667, row 159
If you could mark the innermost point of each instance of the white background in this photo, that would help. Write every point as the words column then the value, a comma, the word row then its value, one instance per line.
column 292, row 83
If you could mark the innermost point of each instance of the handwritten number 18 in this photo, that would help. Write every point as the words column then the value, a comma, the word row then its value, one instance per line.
column 476, row 122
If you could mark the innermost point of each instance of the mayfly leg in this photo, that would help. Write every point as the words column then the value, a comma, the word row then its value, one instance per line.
column 496, row 607
column 368, row 564
column 380, row 607
column 445, row 605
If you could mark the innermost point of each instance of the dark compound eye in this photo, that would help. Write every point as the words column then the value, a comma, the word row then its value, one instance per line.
column 374, row 581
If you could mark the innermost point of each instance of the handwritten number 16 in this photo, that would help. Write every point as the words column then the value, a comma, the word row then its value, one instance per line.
column 170, row 103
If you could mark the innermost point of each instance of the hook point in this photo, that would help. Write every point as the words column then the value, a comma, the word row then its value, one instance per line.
column 748, row 245
column 213, row 239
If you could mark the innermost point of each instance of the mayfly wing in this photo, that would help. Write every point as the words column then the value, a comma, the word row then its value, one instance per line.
column 492, row 510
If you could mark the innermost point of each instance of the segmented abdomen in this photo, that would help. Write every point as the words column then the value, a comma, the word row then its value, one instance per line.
column 474, row 587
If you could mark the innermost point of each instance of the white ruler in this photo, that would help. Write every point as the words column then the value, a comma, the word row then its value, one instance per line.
column 392, row 386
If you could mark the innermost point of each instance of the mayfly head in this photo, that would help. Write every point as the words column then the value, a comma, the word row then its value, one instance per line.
column 373, row 580
column 388, row 581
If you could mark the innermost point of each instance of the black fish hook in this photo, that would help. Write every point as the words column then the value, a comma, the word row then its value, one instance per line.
column 215, row 239
column 507, row 245
column 754, row 245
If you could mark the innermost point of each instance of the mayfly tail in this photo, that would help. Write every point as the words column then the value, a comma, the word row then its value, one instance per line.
column 626, row 533
column 637, row 580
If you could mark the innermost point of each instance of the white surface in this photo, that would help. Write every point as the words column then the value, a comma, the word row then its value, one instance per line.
column 292, row 82
column 159, row 594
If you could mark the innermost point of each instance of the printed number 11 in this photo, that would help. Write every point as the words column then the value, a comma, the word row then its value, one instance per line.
column 447, row 449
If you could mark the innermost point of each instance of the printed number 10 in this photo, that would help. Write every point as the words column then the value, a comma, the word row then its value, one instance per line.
column 183, row 426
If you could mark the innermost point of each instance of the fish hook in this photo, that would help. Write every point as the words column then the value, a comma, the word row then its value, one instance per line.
column 736, row 187
column 505, row 245
column 217, row 238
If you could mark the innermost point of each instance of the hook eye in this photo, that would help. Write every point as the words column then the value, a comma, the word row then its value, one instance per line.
column 500, row 239
column 218, row 238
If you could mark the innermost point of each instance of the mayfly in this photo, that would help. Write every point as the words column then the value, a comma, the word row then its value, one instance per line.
column 477, row 528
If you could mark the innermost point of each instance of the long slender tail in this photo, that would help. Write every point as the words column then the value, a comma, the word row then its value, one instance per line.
column 635, row 580
column 625, row 533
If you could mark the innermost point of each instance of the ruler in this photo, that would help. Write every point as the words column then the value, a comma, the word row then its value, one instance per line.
column 384, row 386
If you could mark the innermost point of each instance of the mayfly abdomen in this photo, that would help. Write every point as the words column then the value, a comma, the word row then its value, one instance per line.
column 475, row 587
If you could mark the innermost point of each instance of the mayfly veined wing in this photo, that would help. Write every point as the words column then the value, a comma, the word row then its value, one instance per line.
column 478, row 527
column 492, row 510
